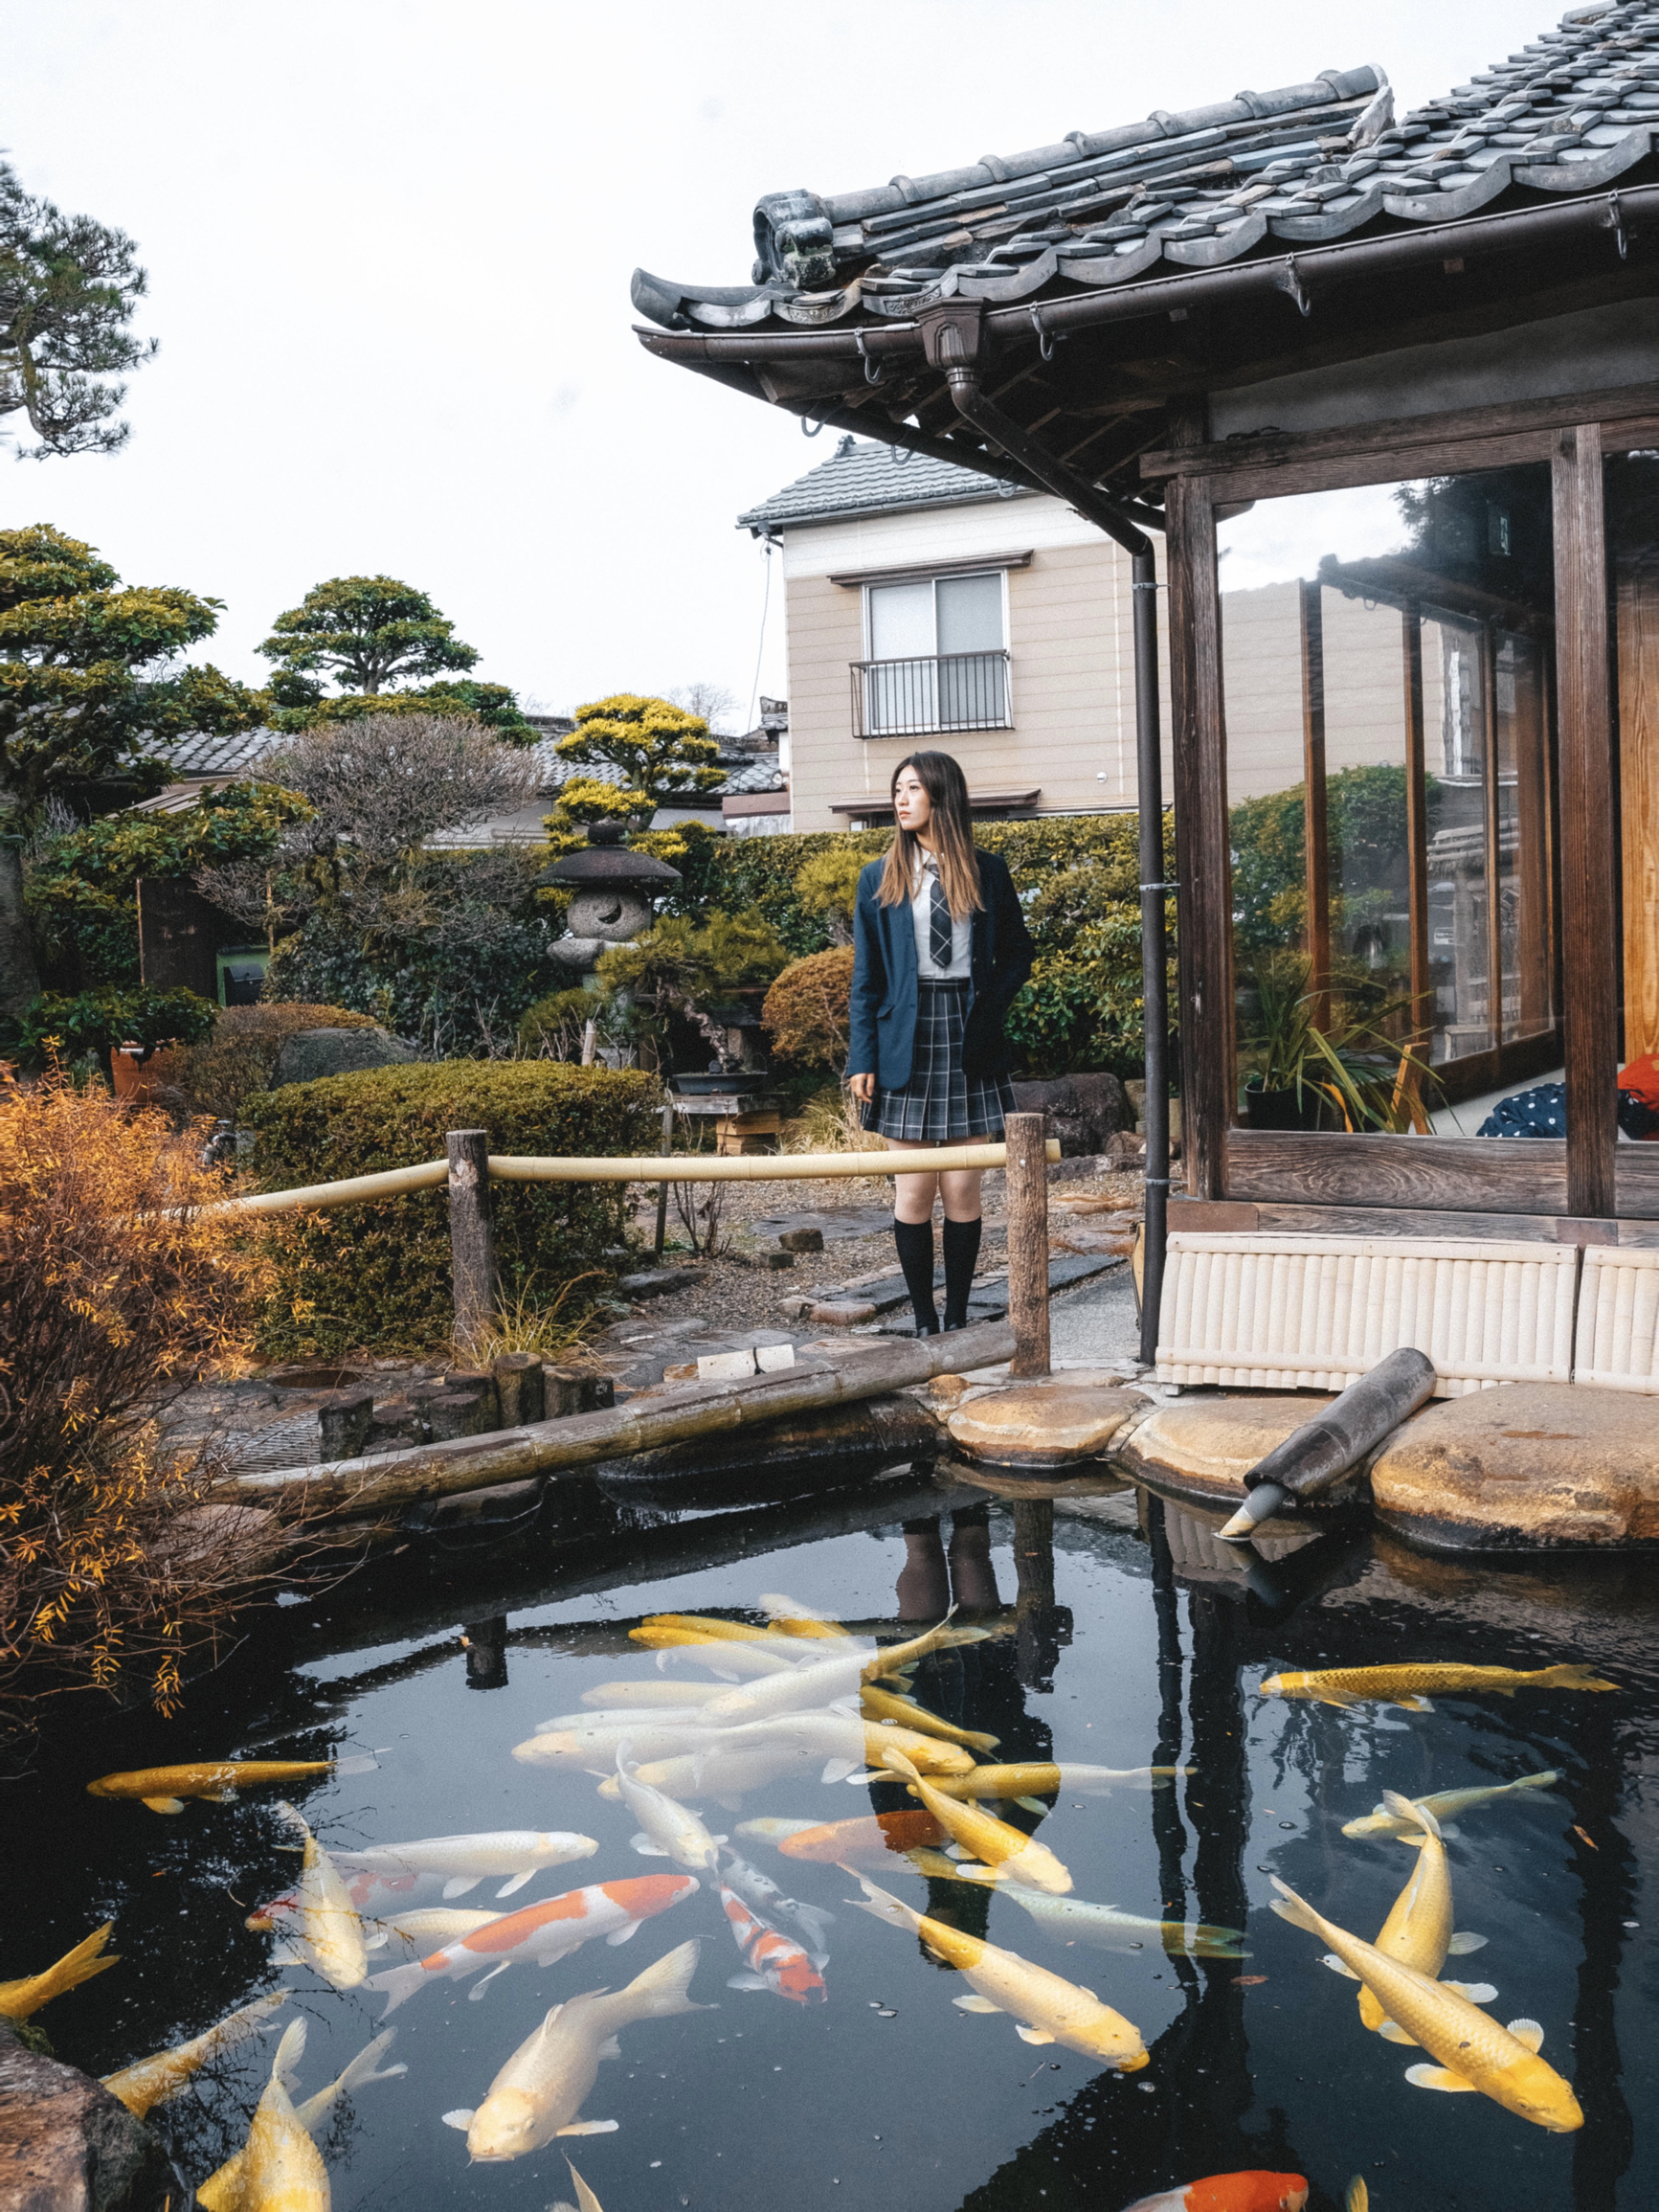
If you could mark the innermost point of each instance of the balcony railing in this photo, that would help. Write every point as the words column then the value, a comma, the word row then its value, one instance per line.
column 939, row 692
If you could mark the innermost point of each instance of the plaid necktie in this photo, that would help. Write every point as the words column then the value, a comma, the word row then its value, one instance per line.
column 939, row 923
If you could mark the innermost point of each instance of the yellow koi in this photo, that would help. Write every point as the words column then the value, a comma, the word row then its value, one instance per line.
column 897, row 1657
column 786, row 1615
column 165, row 1789
column 148, row 2082
column 1446, row 1805
column 280, row 2169
column 586, row 2200
column 661, row 1630
column 18, row 2000
column 1407, row 1686
column 1417, row 1931
column 879, row 1705
column 222, row 2190
column 1047, row 2007
column 330, row 1935
column 992, row 1841
column 1038, row 1778
column 1473, row 2051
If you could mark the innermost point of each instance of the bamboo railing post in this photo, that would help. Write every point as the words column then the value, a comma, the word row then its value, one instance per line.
column 662, row 1187
column 471, row 1238
column 1027, row 1203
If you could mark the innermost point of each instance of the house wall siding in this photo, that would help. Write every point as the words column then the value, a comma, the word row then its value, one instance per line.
column 1068, row 638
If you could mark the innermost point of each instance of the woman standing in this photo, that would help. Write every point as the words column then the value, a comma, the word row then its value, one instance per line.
column 940, row 948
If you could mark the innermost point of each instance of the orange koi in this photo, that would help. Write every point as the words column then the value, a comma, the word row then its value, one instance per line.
column 774, row 1961
column 1256, row 2191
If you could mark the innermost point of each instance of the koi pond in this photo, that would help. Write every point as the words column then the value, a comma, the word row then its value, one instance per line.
column 834, row 1984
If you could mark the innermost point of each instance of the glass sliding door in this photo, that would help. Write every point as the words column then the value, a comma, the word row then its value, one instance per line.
column 1385, row 660
column 937, row 658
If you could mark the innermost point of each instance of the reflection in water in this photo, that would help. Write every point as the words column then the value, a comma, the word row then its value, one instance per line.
column 486, row 1653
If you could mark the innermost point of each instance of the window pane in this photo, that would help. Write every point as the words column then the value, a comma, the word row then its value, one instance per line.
column 970, row 614
column 1385, row 658
column 901, row 621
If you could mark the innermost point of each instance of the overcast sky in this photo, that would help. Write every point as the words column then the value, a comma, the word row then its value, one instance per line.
column 389, row 244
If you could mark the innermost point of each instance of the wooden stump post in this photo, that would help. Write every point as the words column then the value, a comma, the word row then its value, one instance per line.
column 662, row 1187
column 1027, row 1205
column 471, row 1238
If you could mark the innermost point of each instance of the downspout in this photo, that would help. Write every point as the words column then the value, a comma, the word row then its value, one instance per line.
column 950, row 335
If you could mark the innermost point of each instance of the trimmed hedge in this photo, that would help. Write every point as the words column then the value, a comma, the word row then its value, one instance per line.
column 377, row 1277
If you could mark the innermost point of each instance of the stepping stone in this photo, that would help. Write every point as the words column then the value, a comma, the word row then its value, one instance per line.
column 660, row 1282
column 1047, row 1423
column 1199, row 1450
column 1526, row 1467
column 843, row 1312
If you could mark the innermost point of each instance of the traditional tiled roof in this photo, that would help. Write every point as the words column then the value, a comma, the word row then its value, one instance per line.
column 862, row 477
column 205, row 755
column 1572, row 112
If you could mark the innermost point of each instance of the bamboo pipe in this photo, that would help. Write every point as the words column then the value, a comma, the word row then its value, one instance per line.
column 354, row 1489
column 688, row 1167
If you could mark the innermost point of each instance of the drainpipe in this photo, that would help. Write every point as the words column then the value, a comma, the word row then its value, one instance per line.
column 950, row 335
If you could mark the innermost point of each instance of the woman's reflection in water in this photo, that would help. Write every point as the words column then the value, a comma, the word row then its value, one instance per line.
column 974, row 1685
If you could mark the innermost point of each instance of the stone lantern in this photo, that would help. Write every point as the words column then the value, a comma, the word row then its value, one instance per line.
column 613, row 889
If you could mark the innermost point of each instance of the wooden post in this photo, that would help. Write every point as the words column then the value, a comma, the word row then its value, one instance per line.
column 345, row 1421
column 521, row 1388
column 471, row 1239
column 1027, row 1201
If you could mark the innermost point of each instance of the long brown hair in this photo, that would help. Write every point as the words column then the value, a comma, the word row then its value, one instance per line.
column 952, row 826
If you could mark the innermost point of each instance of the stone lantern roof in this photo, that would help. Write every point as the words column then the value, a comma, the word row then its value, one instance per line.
column 605, row 863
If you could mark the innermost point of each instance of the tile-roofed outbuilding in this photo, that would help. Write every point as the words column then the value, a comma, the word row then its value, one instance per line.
column 1572, row 111
column 862, row 479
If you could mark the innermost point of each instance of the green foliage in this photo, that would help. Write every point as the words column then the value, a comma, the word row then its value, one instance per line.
column 81, row 887
column 1366, row 833
column 218, row 1075
column 96, row 1021
column 377, row 1276
column 85, row 686
column 827, row 889
column 363, row 633
column 662, row 751
column 555, row 1025
column 677, row 968
column 807, row 1014
column 68, row 287
column 493, row 704
column 1335, row 1058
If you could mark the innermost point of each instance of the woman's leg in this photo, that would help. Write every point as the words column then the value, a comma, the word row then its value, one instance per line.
column 913, row 1235
column 924, row 1592
column 972, row 1577
column 961, row 1237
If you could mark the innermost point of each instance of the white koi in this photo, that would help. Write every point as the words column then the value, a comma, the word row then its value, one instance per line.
column 667, row 1830
column 1447, row 1805
column 465, row 1861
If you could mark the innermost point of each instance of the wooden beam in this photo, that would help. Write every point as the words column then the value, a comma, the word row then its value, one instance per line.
column 1198, row 735
column 1499, row 1175
column 1589, row 833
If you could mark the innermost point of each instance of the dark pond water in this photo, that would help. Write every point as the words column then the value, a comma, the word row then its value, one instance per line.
column 1120, row 1639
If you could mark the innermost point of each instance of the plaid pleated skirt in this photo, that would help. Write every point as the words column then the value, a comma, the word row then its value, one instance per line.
column 939, row 1104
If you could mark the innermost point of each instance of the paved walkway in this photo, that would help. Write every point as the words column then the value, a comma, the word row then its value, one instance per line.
column 1095, row 1324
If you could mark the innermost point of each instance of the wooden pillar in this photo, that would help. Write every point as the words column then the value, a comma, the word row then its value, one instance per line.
column 1209, row 1079
column 1589, row 834
column 1315, row 824
column 1537, row 1000
column 471, row 1238
column 1027, row 1201
column 1422, row 1016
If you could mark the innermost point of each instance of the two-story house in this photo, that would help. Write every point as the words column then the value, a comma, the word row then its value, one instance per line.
column 929, row 605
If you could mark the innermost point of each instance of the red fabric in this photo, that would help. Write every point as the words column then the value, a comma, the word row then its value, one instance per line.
column 1641, row 1079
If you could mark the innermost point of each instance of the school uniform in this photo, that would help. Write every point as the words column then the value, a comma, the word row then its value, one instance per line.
column 929, row 995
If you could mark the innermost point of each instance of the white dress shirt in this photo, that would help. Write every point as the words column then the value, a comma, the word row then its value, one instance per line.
column 921, row 915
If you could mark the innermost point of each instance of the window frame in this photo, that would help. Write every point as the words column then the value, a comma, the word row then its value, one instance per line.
column 946, row 572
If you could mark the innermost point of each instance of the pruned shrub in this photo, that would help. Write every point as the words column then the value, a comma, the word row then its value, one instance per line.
column 807, row 1011
column 216, row 1076
column 377, row 1277
column 118, row 1283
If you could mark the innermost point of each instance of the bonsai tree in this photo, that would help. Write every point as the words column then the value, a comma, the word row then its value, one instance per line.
column 674, row 967
column 808, row 1010
column 377, row 639
column 659, row 752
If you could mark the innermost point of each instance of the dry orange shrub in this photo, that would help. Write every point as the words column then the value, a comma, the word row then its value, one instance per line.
column 118, row 1287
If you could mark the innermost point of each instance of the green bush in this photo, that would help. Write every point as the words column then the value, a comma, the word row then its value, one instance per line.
column 377, row 1277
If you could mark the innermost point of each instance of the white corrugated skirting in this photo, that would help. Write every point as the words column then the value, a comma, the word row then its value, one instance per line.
column 1618, row 1336
column 1288, row 1312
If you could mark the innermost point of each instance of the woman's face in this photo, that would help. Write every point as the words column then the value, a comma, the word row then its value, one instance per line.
column 911, row 803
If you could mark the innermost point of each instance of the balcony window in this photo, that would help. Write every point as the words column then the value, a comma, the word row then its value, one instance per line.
column 937, row 658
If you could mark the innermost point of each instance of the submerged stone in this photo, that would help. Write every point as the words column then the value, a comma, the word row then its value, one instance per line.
column 68, row 2143
column 1047, row 1423
column 1525, row 1467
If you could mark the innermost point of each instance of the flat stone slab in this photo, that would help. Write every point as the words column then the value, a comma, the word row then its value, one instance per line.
column 1199, row 1450
column 1525, row 1467
column 657, row 1283
column 1047, row 1423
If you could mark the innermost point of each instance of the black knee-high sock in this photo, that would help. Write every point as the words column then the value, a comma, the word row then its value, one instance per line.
column 915, row 1242
column 961, row 1254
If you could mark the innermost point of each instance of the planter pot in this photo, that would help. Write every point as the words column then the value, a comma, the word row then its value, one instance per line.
column 1284, row 1109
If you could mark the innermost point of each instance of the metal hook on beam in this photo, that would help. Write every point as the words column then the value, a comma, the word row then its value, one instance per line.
column 1044, row 338
column 1288, row 281
column 872, row 368
column 811, row 431
column 1616, row 224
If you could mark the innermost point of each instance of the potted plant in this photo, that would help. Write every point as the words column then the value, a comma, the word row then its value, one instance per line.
column 1339, row 1071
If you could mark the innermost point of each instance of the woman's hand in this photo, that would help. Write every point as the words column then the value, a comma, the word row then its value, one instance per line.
column 862, row 1088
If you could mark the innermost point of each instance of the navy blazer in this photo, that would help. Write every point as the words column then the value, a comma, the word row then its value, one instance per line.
column 883, row 1000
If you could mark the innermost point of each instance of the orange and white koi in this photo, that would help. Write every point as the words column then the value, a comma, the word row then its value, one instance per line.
column 539, row 1934
column 1256, row 2191
column 776, row 1961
